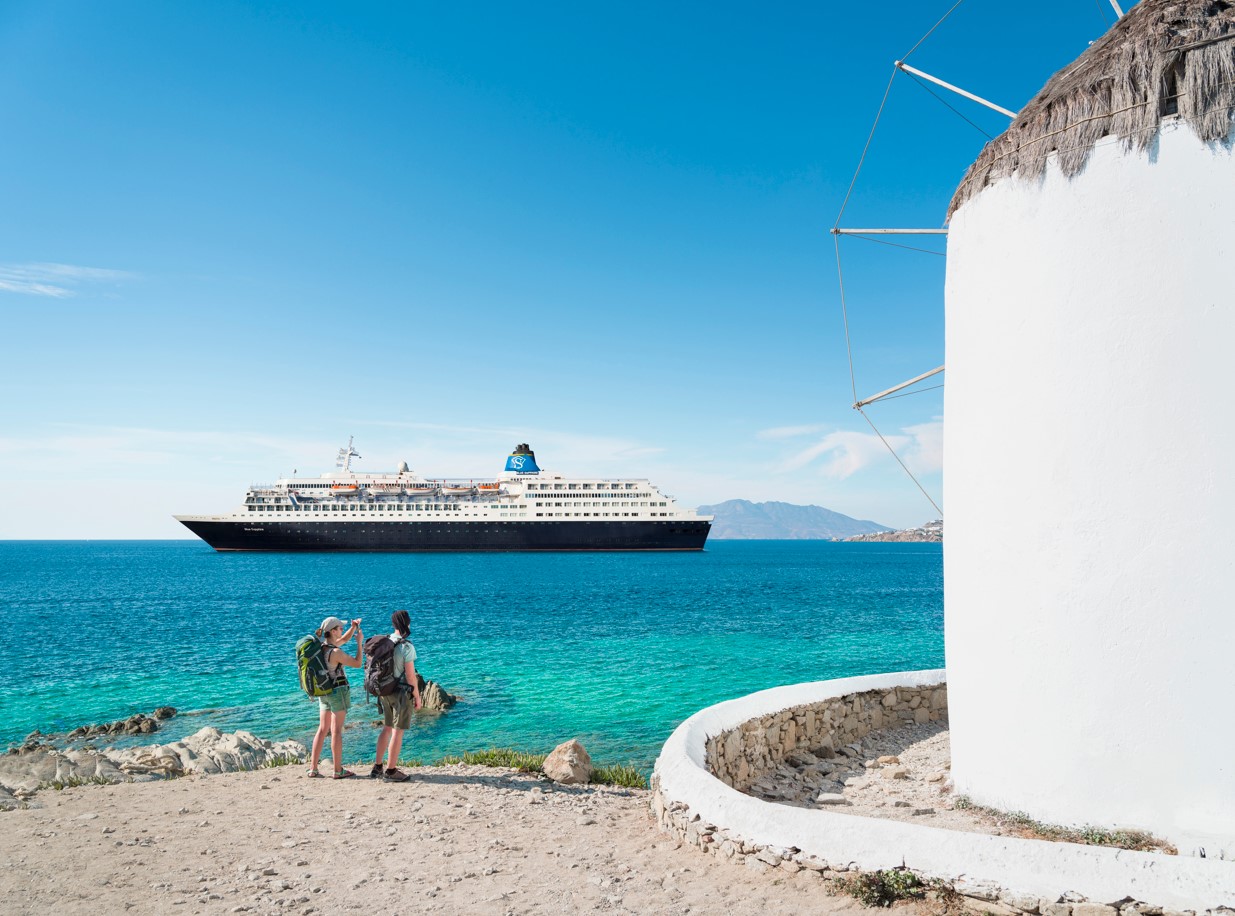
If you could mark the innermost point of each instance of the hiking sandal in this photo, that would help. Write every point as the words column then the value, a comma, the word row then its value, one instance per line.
column 344, row 774
column 394, row 774
column 313, row 774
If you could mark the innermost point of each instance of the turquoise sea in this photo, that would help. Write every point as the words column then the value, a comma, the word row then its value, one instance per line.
column 615, row 649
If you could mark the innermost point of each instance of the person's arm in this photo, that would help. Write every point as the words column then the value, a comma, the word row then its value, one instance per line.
column 409, row 672
column 357, row 660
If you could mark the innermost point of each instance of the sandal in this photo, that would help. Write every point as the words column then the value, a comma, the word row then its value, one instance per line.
column 313, row 774
column 344, row 774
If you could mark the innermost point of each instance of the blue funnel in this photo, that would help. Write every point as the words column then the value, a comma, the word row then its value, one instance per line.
column 522, row 460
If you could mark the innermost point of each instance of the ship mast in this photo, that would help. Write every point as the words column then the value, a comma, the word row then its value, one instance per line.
column 344, row 461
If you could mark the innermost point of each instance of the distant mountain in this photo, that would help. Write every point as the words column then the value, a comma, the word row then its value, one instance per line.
column 741, row 519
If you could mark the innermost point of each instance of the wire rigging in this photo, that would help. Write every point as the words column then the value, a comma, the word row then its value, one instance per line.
column 840, row 273
column 948, row 105
column 897, row 245
column 901, row 463
column 905, row 57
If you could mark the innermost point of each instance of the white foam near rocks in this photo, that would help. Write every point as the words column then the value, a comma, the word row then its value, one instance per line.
column 712, row 815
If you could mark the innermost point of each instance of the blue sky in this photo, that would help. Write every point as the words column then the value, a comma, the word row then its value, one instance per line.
column 233, row 235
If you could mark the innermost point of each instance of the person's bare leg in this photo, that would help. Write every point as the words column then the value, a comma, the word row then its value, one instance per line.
column 382, row 740
column 323, row 729
column 336, row 739
column 396, row 747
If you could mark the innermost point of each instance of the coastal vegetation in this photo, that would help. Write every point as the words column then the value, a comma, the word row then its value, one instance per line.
column 1018, row 823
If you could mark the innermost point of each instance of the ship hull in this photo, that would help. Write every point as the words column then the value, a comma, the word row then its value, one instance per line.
column 426, row 536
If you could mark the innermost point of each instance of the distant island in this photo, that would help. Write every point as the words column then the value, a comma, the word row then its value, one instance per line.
column 740, row 519
column 931, row 532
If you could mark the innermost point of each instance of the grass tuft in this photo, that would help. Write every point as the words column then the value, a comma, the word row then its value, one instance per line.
column 74, row 781
column 620, row 774
column 527, row 762
column 1021, row 824
column 281, row 760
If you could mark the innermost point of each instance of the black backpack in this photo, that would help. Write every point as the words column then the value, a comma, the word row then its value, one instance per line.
column 380, row 679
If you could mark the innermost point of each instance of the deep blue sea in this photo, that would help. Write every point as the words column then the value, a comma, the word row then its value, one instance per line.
column 613, row 648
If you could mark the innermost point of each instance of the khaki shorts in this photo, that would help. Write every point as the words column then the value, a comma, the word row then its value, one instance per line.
column 397, row 710
column 338, row 700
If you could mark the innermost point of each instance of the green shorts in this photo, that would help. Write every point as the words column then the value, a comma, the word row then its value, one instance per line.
column 397, row 710
column 338, row 700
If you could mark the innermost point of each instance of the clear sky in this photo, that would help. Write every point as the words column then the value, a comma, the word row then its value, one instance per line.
column 233, row 235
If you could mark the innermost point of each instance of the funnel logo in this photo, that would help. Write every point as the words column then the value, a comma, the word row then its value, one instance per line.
column 522, row 464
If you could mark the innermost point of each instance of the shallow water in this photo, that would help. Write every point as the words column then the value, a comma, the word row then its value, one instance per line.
column 615, row 649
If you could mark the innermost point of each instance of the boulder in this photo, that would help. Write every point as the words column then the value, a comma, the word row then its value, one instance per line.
column 568, row 764
column 432, row 696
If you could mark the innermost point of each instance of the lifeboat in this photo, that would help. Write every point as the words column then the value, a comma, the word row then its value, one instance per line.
column 490, row 489
column 459, row 490
column 420, row 489
column 344, row 489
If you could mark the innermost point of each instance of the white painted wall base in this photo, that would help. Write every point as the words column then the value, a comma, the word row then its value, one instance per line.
column 1031, row 867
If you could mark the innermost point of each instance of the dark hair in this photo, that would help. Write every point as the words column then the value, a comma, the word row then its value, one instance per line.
column 401, row 622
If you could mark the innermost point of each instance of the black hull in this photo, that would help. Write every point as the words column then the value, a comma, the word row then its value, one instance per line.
column 451, row 536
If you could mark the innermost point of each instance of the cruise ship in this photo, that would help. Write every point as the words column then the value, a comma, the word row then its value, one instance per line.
column 523, row 508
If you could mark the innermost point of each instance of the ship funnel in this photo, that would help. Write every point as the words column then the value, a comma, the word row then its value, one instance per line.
column 522, row 460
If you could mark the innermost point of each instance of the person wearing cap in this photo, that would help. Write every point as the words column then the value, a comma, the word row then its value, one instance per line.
column 332, row 708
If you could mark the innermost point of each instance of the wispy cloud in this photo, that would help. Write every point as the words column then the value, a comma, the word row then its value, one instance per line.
column 843, row 453
column 788, row 432
column 57, row 281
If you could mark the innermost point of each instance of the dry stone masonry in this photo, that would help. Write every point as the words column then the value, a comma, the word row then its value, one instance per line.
column 809, row 736
column 822, row 730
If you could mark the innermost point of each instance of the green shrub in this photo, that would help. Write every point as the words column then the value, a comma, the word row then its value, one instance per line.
column 884, row 887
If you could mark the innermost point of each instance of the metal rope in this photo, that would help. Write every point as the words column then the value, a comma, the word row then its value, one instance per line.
column 944, row 102
column 898, row 461
column 862, row 159
column 867, row 238
column 844, row 311
column 893, row 397
column 935, row 26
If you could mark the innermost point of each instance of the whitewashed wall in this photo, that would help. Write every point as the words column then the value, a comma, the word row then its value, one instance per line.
column 1090, row 463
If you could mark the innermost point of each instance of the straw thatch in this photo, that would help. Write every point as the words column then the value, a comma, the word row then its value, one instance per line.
column 1164, row 58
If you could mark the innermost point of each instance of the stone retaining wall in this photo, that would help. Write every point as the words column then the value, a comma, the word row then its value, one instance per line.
column 711, row 757
column 741, row 755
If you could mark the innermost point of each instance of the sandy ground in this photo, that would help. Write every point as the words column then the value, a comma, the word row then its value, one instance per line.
column 458, row 839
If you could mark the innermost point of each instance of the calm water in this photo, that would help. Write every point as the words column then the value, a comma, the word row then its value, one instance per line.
column 615, row 649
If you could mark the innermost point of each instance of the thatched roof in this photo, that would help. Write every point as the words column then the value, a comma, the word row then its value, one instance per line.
column 1164, row 57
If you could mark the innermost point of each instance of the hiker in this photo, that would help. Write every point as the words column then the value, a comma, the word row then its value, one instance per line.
column 332, row 708
column 397, row 707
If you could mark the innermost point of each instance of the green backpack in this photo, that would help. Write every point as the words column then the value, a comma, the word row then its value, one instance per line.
column 315, row 679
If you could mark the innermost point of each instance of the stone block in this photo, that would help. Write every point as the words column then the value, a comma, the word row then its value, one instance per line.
column 976, row 890
column 1050, row 908
column 1026, row 903
column 757, row 866
column 921, row 715
column 768, row 856
column 1093, row 909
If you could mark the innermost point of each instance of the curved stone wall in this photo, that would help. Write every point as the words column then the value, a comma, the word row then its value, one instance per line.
column 741, row 755
column 694, row 797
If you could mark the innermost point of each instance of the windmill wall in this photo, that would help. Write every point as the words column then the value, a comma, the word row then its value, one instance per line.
column 1090, row 462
